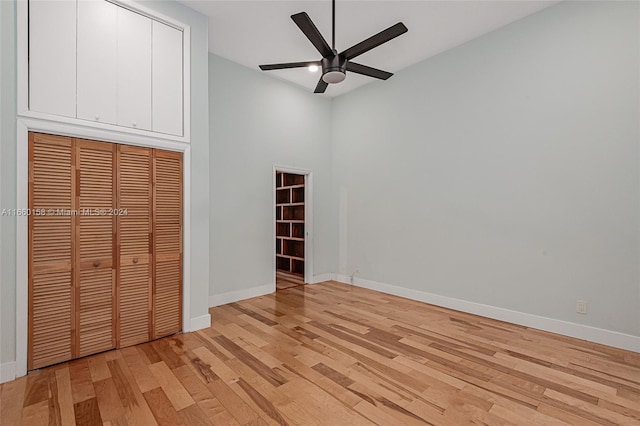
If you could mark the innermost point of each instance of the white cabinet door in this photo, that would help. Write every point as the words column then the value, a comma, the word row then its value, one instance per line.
column 167, row 79
column 52, row 62
column 133, row 70
column 97, row 61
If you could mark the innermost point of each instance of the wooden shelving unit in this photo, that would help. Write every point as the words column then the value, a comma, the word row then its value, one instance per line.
column 290, row 223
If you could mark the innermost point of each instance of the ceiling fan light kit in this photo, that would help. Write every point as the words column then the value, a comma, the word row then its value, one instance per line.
column 335, row 65
column 334, row 69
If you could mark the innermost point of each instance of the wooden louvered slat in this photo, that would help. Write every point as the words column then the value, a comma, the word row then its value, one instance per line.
column 50, row 331
column 96, row 308
column 134, row 304
column 167, row 233
column 51, row 297
column 134, row 245
column 167, row 297
column 96, row 328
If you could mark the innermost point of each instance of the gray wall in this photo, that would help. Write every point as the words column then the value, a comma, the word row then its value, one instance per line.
column 199, row 164
column 7, row 180
column 505, row 171
column 257, row 121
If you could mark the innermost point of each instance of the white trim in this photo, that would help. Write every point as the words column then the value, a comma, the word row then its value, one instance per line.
column 1, row 135
column 579, row 331
column 341, row 278
column 7, row 371
column 198, row 323
column 186, row 240
column 308, row 218
column 234, row 296
column 24, row 126
column 321, row 278
column 23, row 75
column 22, row 55
column 22, row 246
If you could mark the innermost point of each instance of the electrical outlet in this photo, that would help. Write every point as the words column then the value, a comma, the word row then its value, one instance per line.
column 581, row 306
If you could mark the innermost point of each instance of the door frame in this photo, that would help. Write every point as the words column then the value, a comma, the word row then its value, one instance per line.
column 308, row 219
column 26, row 125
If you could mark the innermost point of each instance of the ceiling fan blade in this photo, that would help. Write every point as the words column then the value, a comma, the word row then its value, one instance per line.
column 289, row 65
column 368, row 71
column 321, row 87
column 307, row 26
column 374, row 41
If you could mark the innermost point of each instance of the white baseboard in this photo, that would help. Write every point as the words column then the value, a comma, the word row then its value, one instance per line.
column 579, row 331
column 234, row 296
column 7, row 371
column 200, row 322
column 321, row 278
column 345, row 279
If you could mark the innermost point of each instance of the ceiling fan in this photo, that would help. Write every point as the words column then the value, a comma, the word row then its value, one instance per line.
column 335, row 65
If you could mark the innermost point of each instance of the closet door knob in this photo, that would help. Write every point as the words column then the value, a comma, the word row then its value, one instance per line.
column 135, row 124
column 97, row 117
column 135, row 260
column 96, row 263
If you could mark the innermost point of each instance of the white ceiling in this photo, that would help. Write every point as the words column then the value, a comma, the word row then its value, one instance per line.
column 261, row 32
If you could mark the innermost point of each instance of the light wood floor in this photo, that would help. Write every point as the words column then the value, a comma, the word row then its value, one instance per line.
column 285, row 280
column 334, row 354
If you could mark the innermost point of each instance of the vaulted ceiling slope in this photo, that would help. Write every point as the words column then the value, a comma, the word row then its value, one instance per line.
column 262, row 32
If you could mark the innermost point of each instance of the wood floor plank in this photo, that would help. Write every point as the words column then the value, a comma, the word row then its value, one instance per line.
column 65, row 398
column 108, row 400
column 333, row 354
column 87, row 413
column 162, row 409
column 12, row 401
column 171, row 386
column 140, row 370
column 194, row 416
column 36, row 414
column 81, row 381
column 98, row 368
column 37, row 389
column 137, row 411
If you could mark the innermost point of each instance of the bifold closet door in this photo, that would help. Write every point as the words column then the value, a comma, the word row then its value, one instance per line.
column 167, row 233
column 51, row 248
column 135, row 246
column 95, row 236
column 105, row 247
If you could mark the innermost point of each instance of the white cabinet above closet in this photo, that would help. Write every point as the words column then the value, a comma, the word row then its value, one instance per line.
column 134, row 71
column 109, row 64
column 52, row 73
column 167, row 79
column 97, row 55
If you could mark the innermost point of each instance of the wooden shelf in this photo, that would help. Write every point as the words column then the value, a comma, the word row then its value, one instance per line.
column 290, row 216
column 289, row 204
column 286, row 256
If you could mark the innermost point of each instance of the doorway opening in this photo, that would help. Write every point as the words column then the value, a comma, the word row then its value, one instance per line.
column 291, row 229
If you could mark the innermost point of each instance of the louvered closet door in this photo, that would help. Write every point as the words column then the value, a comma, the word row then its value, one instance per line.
column 167, row 222
column 51, row 296
column 134, row 244
column 95, row 271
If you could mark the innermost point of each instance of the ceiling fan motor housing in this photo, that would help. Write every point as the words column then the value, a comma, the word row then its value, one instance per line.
column 334, row 68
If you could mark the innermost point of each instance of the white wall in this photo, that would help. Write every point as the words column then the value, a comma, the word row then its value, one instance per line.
column 257, row 121
column 505, row 171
